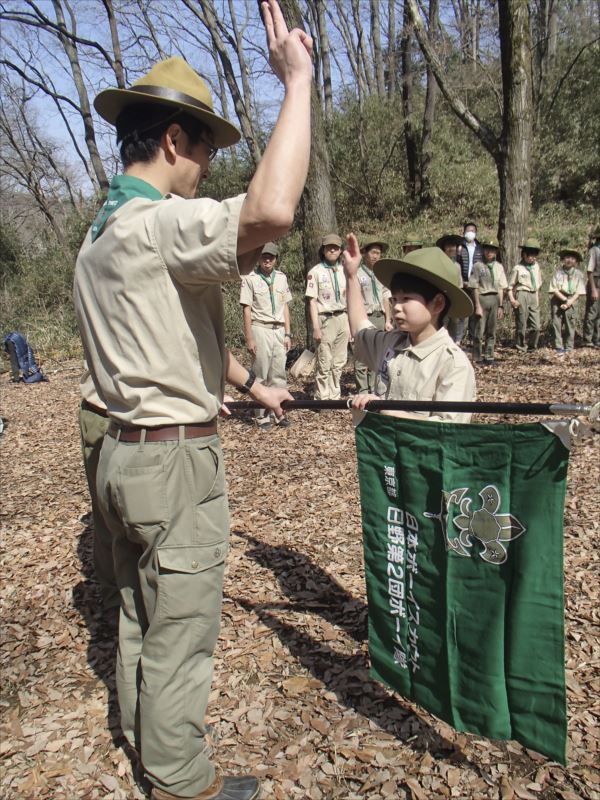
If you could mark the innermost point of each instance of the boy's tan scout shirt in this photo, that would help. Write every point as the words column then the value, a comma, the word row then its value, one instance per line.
column 267, row 301
column 375, row 294
column 436, row 369
column 524, row 278
column 488, row 278
column 328, row 286
column 569, row 283
column 149, row 304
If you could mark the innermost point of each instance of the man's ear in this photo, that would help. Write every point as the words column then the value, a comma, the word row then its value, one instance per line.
column 169, row 140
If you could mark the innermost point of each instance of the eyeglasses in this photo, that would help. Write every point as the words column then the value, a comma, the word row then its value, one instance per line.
column 212, row 151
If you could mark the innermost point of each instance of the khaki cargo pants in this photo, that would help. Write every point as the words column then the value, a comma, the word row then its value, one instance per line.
column 332, row 354
column 485, row 330
column 527, row 318
column 365, row 377
column 269, row 362
column 166, row 505
column 93, row 426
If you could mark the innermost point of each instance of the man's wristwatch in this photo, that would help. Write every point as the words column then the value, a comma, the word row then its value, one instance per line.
column 287, row 335
column 249, row 383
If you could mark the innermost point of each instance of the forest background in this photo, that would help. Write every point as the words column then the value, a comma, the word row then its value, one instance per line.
column 425, row 115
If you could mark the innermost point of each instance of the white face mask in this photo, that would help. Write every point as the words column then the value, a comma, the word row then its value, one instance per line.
column 470, row 236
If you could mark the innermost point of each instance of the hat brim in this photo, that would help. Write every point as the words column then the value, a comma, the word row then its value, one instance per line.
column 573, row 253
column 461, row 304
column 376, row 242
column 495, row 247
column 531, row 249
column 110, row 102
column 452, row 239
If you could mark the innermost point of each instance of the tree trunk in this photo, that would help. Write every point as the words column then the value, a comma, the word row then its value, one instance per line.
column 514, row 159
column 325, row 59
column 377, row 55
column 391, row 54
column 426, row 198
column 410, row 134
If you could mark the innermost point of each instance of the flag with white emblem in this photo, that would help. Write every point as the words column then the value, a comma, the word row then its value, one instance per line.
column 463, row 539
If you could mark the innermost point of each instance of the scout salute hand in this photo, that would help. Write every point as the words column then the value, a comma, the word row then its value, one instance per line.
column 351, row 257
column 290, row 53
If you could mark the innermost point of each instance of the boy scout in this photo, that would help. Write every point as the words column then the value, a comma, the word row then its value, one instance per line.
column 326, row 292
column 566, row 286
column 418, row 360
column 449, row 244
column 523, row 292
column 149, row 305
column 264, row 296
column 93, row 424
column 376, row 299
column 411, row 242
column 591, row 319
column 488, row 283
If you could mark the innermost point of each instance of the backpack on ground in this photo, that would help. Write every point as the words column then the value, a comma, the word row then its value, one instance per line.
column 22, row 361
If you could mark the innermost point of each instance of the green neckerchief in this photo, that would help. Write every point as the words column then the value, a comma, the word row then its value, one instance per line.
column 371, row 275
column 123, row 188
column 490, row 266
column 569, row 275
column 269, row 281
column 529, row 268
column 336, row 286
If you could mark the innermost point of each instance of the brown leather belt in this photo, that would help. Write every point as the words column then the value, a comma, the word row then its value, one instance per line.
column 90, row 407
column 165, row 433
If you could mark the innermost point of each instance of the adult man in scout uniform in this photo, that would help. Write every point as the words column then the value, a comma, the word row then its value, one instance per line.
column 376, row 298
column 149, row 305
column 264, row 297
column 450, row 243
column 566, row 287
column 591, row 319
column 411, row 242
column 523, row 292
column 488, row 283
column 93, row 424
column 326, row 292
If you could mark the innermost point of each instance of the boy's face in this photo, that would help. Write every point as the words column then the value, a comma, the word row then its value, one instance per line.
column 412, row 313
column 529, row 256
column 267, row 262
column 569, row 262
column 489, row 253
column 372, row 255
column 332, row 253
column 451, row 249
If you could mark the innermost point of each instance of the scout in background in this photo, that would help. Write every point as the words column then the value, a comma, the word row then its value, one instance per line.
column 469, row 254
column 591, row 320
column 264, row 297
column 488, row 283
column 376, row 299
column 417, row 360
column 449, row 244
column 566, row 286
column 523, row 292
column 410, row 243
column 326, row 292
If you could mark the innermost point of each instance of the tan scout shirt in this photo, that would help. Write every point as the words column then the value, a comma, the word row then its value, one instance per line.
column 594, row 262
column 88, row 390
column 568, row 283
column 148, row 300
column 368, row 281
column 488, row 278
column 521, row 277
column 320, row 283
column 436, row 369
column 255, row 292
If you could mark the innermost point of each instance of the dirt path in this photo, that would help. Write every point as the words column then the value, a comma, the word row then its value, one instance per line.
column 291, row 699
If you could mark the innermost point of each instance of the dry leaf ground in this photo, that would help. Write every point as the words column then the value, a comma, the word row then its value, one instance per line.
column 291, row 700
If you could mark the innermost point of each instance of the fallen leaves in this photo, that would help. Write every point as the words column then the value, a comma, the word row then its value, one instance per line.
column 292, row 699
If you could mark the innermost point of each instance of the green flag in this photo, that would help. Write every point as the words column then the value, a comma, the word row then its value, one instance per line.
column 463, row 549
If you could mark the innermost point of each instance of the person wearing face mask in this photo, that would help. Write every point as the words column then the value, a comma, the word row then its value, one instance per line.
column 470, row 253
column 376, row 298
column 523, row 293
column 326, row 293
column 566, row 287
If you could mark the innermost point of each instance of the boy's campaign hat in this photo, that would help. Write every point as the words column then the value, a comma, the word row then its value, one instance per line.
column 531, row 244
column 568, row 252
column 490, row 241
column 412, row 239
column 432, row 265
column 331, row 238
column 449, row 238
column 173, row 84
column 270, row 249
column 372, row 243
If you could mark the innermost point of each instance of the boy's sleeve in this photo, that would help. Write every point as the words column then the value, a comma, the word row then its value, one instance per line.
column 311, row 285
column 502, row 284
column 456, row 383
column 554, row 285
column 368, row 346
column 246, row 293
column 513, row 277
column 580, row 287
column 288, row 294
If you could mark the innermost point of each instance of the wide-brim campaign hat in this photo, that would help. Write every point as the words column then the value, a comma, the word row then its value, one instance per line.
column 270, row 249
column 374, row 243
column 432, row 265
column 531, row 244
column 412, row 238
column 490, row 241
column 568, row 252
column 174, row 84
column 449, row 238
column 331, row 238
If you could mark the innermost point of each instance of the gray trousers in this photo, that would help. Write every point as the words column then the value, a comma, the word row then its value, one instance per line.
column 591, row 319
column 92, row 427
column 166, row 505
column 527, row 319
column 563, row 324
column 484, row 338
